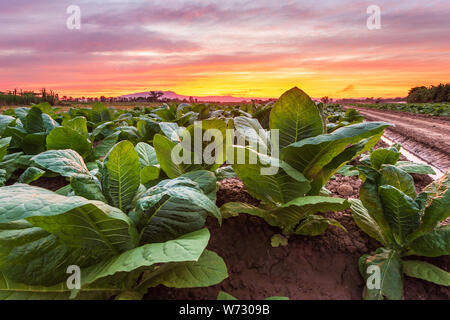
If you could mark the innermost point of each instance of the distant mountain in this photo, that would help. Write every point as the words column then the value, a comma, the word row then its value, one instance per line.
column 173, row 95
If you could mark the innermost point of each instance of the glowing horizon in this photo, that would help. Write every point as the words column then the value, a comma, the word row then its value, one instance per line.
column 238, row 48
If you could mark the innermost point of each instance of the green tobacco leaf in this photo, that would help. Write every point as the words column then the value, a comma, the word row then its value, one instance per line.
column 186, row 248
column 171, row 209
column 147, row 128
column 121, row 175
column 147, row 154
column 390, row 280
column 4, row 122
column 399, row 179
column 67, row 163
column 10, row 290
column 347, row 171
column 349, row 153
column 150, row 168
column 171, row 130
column 249, row 129
column 105, row 129
column 17, row 135
column 64, row 216
column 206, row 181
column 64, row 191
column 49, row 123
column 100, row 113
column 321, row 156
column 163, row 148
column 315, row 225
column 401, row 212
column 209, row 270
column 434, row 243
column 290, row 214
column 277, row 298
column 225, row 296
column 78, row 124
column 411, row 167
column 3, row 177
column 59, row 231
column 4, row 144
column 384, row 156
column 34, row 143
column 286, row 184
column 30, row 174
column 149, row 174
column 213, row 147
column 278, row 240
column 87, row 186
column 368, row 194
column 426, row 271
column 33, row 121
column 232, row 209
column 67, row 138
column 296, row 117
column 437, row 205
column 366, row 222
column 46, row 108
column 225, row 173
column 21, row 113
column 106, row 145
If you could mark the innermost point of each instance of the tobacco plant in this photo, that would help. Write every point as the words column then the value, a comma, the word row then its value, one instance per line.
column 308, row 157
column 406, row 224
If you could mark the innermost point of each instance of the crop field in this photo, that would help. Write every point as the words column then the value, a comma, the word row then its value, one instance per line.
column 289, row 199
column 441, row 109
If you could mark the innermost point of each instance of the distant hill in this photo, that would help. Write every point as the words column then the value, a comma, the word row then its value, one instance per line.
column 173, row 95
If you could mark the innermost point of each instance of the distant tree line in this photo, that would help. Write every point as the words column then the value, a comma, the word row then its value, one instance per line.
column 21, row 97
column 440, row 93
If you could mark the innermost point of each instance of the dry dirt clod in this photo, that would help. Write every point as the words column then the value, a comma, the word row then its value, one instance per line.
column 345, row 190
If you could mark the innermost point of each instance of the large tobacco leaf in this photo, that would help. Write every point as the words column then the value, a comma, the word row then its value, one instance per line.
column 173, row 208
column 296, row 117
column 163, row 148
column 283, row 186
column 426, row 271
column 434, row 243
column 399, row 179
column 121, row 175
column 319, row 157
column 437, row 205
column 59, row 230
column 401, row 212
column 67, row 138
column 288, row 216
column 188, row 247
column 391, row 280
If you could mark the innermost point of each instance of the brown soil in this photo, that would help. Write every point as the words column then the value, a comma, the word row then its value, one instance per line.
column 229, row 188
column 426, row 137
column 52, row 184
column 323, row 267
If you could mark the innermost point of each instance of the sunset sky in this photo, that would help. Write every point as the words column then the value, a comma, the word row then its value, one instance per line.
column 243, row 48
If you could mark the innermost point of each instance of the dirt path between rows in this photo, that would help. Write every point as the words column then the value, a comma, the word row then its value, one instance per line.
column 426, row 137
